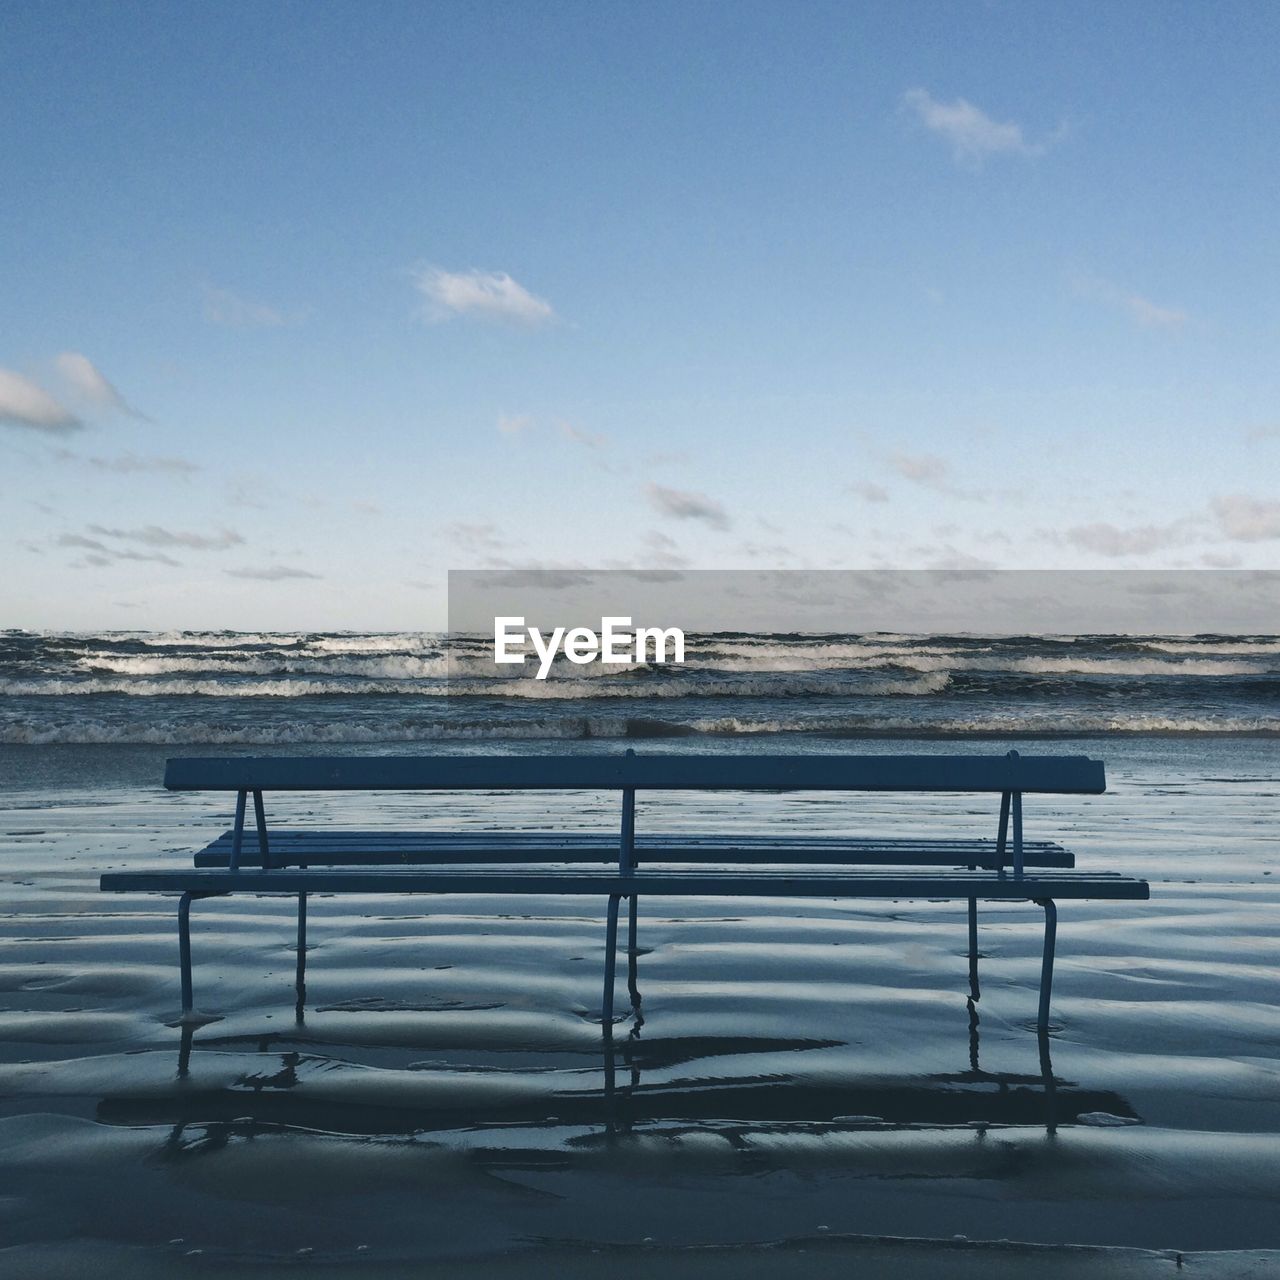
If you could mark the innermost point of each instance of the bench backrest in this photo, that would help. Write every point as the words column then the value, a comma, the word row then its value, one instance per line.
column 1064, row 775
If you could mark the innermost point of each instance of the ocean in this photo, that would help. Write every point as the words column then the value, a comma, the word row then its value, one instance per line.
column 787, row 691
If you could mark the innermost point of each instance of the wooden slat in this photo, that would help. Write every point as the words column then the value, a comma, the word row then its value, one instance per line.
column 956, row 884
column 1053, row 774
column 362, row 858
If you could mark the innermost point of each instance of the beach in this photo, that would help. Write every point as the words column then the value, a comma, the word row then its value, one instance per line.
column 802, row 1083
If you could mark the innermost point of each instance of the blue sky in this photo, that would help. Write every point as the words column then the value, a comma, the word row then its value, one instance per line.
column 306, row 304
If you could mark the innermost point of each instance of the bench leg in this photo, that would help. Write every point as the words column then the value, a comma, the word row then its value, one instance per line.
column 610, row 961
column 974, row 1037
column 189, row 1016
column 1046, row 964
column 610, row 1088
column 300, row 978
column 633, row 966
column 184, row 953
column 1050, row 1084
column 186, row 1040
column 631, row 924
column 974, row 993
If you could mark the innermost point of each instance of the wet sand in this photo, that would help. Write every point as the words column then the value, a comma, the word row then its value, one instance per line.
column 808, row 1072
column 799, row 1259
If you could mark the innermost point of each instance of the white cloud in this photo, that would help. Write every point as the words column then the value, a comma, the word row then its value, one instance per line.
column 1142, row 311
column 483, row 295
column 685, row 505
column 89, row 382
column 1245, row 519
column 23, row 404
column 972, row 133
column 223, row 307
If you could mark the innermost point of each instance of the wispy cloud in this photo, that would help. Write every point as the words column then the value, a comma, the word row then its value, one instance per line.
column 662, row 552
column 252, row 491
column 91, row 384
column 1142, row 311
column 132, row 463
column 23, row 404
column 972, row 133
column 223, row 307
column 1246, row 519
column 778, row 554
column 870, row 492
column 1114, row 541
column 934, row 472
column 519, row 424
column 101, row 555
column 949, row 560
column 685, row 505
column 475, row 537
column 153, row 535
column 512, row 424
column 270, row 573
column 481, row 295
column 925, row 469
column 588, row 439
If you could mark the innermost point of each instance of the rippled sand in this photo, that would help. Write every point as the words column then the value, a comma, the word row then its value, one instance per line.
column 796, row 1071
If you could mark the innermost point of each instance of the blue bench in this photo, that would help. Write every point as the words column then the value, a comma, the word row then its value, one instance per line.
column 305, row 860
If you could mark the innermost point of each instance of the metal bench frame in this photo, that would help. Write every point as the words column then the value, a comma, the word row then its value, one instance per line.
column 993, row 870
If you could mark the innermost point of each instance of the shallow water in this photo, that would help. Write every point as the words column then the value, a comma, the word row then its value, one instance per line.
column 793, row 1066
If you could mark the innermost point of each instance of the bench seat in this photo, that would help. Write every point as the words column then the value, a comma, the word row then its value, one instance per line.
column 324, row 846
column 984, row 885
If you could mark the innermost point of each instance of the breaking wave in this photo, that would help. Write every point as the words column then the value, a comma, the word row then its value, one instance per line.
column 401, row 666
column 562, row 688
column 265, row 688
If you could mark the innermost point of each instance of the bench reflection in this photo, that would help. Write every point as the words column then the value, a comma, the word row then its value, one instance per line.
column 271, row 1098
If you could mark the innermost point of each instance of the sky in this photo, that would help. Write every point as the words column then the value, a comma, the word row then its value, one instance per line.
column 303, row 305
